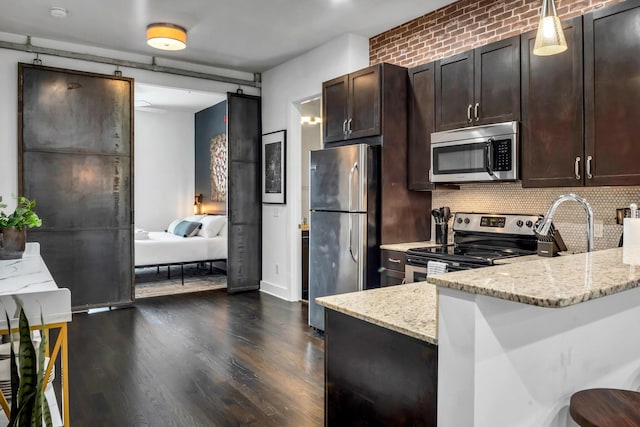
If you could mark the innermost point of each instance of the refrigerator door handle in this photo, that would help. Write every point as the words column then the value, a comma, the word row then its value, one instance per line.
column 351, row 172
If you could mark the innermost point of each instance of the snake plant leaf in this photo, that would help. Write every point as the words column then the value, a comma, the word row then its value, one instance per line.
column 41, row 406
column 28, row 374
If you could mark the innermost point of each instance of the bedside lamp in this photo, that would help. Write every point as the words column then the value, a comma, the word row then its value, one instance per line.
column 197, row 204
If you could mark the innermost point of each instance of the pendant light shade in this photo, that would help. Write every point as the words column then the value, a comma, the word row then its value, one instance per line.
column 166, row 36
column 550, row 38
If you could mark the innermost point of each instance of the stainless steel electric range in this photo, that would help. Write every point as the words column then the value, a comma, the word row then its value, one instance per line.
column 480, row 239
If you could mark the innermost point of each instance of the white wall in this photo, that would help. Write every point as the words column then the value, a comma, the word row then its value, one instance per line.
column 283, row 87
column 9, row 90
column 164, row 168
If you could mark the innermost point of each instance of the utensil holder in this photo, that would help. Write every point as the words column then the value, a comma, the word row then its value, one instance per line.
column 442, row 233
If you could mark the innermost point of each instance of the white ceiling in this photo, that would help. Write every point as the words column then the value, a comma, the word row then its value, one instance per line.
column 244, row 35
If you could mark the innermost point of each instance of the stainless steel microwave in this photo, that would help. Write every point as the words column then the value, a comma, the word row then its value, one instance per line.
column 474, row 154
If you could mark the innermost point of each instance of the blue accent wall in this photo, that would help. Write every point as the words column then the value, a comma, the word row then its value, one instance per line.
column 208, row 123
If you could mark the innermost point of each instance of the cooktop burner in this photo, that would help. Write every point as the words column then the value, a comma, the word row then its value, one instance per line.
column 481, row 239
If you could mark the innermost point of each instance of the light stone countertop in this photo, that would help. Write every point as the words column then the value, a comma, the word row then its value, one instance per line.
column 408, row 309
column 551, row 282
column 27, row 282
column 404, row 247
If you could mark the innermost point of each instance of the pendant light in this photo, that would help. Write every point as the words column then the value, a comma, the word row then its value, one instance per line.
column 166, row 36
column 550, row 38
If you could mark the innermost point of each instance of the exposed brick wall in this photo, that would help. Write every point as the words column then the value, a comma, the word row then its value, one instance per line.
column 465, row 25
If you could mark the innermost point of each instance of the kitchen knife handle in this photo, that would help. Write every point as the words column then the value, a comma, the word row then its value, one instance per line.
column 469, row 119
column 589, row 158
column 475, row 111
column 576, row 168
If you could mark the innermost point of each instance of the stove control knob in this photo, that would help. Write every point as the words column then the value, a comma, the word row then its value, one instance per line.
column 459, row 220
column 529, row 224
column 519, row 223
column 467, row 221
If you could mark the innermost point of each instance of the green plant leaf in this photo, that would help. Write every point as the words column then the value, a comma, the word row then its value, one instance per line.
column 28, row 374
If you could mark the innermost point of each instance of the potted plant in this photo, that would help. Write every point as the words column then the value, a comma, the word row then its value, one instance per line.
column 13, row 227
column 29, row 406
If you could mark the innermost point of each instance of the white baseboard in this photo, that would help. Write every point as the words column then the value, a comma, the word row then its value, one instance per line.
column 275, row 290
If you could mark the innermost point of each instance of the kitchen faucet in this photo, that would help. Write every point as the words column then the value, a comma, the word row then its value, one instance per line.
column 545, row 225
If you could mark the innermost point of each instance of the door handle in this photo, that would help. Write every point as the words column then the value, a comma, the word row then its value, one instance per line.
column 344, row 127
column 489, row 156
column 576, row 168
column 350, row 193
column 589, row 158
column 475, row 111
column 349, row 130
column 469, row 119
column 395, row 261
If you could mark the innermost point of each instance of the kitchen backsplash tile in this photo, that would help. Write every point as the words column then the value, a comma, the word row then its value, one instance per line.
column 570, row 217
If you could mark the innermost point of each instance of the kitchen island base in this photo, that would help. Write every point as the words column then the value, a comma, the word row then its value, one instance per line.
column 504, row 363
column 375, row 376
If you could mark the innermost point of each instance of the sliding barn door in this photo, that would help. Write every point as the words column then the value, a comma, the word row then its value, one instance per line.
column 76, row 160
column 244, row 204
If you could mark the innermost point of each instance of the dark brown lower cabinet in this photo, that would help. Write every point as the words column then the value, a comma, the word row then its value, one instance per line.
column 377, row 377
column 392, row 271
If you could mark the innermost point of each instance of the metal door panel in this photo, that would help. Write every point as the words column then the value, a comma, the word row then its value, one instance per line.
column 338, row 178
column 336, row 258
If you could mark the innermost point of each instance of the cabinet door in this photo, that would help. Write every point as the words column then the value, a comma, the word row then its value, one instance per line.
column 391, row 277
column 334, row 109
column 497, row 82
column 421, row 124
column 612, row 94
column 364, row 103
column 552, row 112
column 454, row 91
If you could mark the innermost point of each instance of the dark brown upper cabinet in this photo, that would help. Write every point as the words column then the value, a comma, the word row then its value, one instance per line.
column 479, row 87
column 612, row 94
column 552, row 136
column 422, row 118
column 351, row 105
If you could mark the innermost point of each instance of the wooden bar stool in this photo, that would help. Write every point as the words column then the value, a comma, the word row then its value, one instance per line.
column 605, row 407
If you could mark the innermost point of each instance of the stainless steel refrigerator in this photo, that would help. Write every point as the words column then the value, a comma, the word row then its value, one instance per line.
column 344, row 230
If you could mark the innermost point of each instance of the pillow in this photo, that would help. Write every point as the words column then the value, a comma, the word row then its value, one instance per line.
column 195, row 218
column 187, row 228
column 172, row 226
column 211, row 225
column 223, row 231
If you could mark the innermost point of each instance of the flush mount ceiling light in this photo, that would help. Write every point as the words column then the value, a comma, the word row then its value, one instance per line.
column 166, row 36
column 550, row 38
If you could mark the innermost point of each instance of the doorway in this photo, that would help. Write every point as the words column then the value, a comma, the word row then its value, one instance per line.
column 311, row 139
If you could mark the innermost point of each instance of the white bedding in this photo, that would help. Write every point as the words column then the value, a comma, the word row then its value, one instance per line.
column 167, row 248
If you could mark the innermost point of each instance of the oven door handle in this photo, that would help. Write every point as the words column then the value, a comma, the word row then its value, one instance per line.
column 488, row 149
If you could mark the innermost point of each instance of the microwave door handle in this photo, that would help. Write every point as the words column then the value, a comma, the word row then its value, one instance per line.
column 488, row 148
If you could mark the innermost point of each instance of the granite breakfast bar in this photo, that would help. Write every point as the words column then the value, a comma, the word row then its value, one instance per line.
column 515, row 341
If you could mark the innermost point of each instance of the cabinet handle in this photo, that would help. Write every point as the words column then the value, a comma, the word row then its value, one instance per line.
column 396, row 261
column 475, row 111
column 576, row 168
column 344, row 127
column 589, row 158
column 349, row 126
column 469, row 119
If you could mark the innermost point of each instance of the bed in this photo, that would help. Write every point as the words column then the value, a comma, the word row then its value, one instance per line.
column 205, row 243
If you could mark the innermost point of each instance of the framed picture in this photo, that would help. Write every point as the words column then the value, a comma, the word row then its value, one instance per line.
column 274, row 167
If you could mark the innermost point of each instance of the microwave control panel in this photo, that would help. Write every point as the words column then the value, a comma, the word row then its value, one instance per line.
column 502, row 155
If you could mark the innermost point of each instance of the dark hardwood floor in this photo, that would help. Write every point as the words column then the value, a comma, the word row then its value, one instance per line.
column 201, row 359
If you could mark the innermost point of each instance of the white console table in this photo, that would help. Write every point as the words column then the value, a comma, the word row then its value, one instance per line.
column 27, row 283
